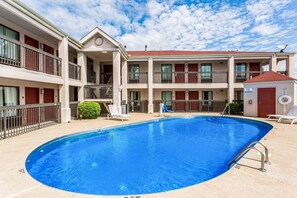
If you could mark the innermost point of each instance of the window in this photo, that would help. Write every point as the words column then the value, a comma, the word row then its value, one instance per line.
column 166, row 72
column 134, row 73
column 9, row 96
column 240, row 70
column 9, row 51
column 167, row 98
column 206, row 70
column 207, row 97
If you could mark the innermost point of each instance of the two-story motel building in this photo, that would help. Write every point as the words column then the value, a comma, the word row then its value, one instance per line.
column 40, row 64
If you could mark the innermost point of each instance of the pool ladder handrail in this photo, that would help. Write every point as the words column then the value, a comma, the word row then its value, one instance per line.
column 250, row 147
column 223, row 112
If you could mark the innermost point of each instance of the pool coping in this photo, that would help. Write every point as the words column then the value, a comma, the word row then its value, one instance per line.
column 9, row 175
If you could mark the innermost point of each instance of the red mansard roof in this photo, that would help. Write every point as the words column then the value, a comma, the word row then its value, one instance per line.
column 269, row 77
column 175, row 52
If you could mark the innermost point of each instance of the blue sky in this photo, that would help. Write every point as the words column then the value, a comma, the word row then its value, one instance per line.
column 245, row 25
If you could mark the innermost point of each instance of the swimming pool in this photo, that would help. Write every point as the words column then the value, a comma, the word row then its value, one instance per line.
column 143, row 158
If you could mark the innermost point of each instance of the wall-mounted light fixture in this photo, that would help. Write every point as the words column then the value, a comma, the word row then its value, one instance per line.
column 187, row 92
column 186, row 65
column 41, row 45
column 41, row 91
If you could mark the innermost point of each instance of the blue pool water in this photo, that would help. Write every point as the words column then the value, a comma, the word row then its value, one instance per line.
column 143, row 158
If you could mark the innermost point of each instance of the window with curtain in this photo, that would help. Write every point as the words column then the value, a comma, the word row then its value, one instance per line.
column 134, row 72
column 206, row 70
column 167, row 97
column 9, row 96
column 240, row 69
column 207, row 97
column 9, row 50
column 166, row 70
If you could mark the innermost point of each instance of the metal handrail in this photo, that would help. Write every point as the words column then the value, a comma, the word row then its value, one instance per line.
column 223, row 112
column 249, row 147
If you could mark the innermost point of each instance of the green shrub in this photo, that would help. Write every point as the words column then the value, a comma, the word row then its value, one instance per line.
column 236, row 108
column 89, row 110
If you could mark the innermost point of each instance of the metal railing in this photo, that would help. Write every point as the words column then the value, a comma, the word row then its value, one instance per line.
column 98, row 91
column 191, row 105
column 137, row 77
column 16, row 120
column 241, row 76
column 17, row 54
column 106, row 78
column 91, row 76
column 140, row 106
column 191, row 77
column 251, row 147
column 73, row 108
column 74, row 71
column 227, row 108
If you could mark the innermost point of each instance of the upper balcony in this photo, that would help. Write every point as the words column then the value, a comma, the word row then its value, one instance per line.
column 17, row 54
column 74, row 71
column 191, row 77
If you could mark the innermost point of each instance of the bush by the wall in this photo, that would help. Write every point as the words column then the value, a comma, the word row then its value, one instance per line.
column 236, row 108
column 89, row 110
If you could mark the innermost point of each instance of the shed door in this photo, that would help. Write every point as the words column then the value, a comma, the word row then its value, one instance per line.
column 180, row 97
column 266, row 101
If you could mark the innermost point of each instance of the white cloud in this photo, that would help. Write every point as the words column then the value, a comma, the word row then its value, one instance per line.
column 252, row 26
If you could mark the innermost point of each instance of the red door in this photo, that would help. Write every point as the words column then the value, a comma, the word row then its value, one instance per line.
column 193, row 77
column 194, row 103
column 266, row 101
column 179, row 73
column 48, row 61
column 107, row 74
column 32, row 57
column 48, row 97
column 32, row 97
column 254, row 67
column 180, row 101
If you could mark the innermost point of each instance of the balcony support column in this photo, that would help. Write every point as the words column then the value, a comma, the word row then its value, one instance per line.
column 64, row 88
column 116, row 78
column 150, row 86
column 273, row 66
column 231, row 79
column 290, row 66
column 82, row 61
column 124, row 81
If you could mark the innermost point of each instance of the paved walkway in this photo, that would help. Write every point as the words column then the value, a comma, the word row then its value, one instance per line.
column 280, row 180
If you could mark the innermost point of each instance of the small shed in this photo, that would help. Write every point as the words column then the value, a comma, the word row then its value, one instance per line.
column 269, row 93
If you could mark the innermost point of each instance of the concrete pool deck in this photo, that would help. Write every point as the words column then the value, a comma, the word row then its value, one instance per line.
column 280, row 180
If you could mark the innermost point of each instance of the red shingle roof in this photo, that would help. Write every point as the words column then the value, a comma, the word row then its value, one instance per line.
column 174, row 53
column 268, row 77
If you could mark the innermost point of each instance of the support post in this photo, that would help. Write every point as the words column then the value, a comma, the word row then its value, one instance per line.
column 150, row 86
column 231, row 79
column 124, row 81
column 64, row 88
column 116, row 78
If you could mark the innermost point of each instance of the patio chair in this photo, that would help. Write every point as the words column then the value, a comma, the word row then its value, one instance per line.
column 165, row 109
column 292, row 112
column 115, row 112
column 290, row 118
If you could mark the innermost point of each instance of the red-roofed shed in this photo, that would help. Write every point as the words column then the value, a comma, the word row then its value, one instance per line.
column 262, row 94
